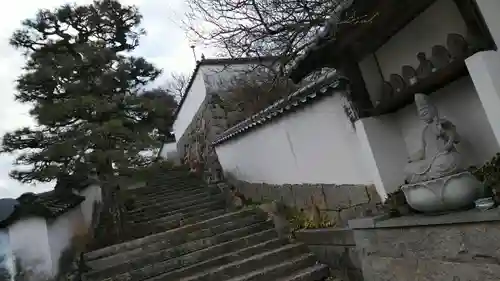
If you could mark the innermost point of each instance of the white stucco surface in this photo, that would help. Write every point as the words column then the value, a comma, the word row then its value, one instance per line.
column 92, row 194
column 384, row 152
column 6, row 258
column 169, row 149
column 428, row 29
column 315, row 145
column 61, row 232
column 194, row 99
column 484, row 68
column 29, row 242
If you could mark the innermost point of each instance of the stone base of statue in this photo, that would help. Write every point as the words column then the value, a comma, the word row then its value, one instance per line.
column 447, row 193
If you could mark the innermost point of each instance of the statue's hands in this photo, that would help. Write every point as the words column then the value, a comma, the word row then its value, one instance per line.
column 417, row 156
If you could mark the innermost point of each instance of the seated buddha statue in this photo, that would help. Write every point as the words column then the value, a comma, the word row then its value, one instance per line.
column 437, row 156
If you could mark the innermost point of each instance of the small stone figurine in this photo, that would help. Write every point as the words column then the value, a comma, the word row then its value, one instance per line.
column 440, row 57
column 425, row 68
column 409, row 75
column 397, row 83
column 457, row 45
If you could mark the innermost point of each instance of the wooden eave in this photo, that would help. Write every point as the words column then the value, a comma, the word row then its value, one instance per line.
column 354, row 41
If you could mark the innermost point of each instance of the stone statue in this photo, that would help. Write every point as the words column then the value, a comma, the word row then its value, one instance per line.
column 437, row 156
column 436, row 178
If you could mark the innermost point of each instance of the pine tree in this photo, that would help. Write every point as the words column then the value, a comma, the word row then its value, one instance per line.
column 88, row 94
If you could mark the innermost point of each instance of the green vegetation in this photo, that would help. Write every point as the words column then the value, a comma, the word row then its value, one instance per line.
column 89, row 96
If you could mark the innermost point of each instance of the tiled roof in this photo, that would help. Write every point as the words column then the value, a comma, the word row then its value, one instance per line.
column 58, row 203
column 324, row 86
column 48, row 205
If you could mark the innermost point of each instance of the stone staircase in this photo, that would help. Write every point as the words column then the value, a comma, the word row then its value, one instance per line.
column 180, row 230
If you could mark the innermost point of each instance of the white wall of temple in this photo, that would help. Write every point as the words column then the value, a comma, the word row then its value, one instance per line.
column 317, row 144
column 92, row 196
column 29, row 242
column 193, row 101
column 169, row 149
column 484, row 67
column 61, row 232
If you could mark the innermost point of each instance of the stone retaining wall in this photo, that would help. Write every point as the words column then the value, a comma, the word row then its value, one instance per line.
column 339, row 202
column 462, row 246
column 335, row 248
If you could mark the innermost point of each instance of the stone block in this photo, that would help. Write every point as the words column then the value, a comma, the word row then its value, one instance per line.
column 326, row 236
column 265, row 192
column 339, row 257
column 372, row 193
column 439, row 242
column 273, row 191
column 357, row 194
column 407, row 269
column 335, row 198
column 319, row 252
column 389, row 269
column 308, row 195
column 287, row 195
column 351, row 213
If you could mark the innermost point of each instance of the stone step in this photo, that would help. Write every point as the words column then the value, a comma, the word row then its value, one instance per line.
column 207, row 258
column 164, row 193
column 160, row 225
column 175, row 183
column 314, row 273
column 140, row 202
column 279, row 271
column 152, row 251
column 245, row 266
column 212, row 204
column 138, row 243
column 169, row 201
column 171, row 186
column 169, row 253
column 172, row 206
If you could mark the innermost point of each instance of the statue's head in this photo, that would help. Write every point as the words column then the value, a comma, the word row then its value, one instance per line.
column 426, row 111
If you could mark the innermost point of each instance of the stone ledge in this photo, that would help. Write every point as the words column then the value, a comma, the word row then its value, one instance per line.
column 470, row 216
column 326, row 236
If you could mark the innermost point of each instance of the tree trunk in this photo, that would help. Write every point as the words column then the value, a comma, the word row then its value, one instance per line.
column 112, row 210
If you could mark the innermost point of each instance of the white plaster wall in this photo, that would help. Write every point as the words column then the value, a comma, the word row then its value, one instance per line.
column 428, row 29
column 484, row 68
column 29, row 241
column 193, row 101
column 92, row 194
column 169, row 149
column 61, row 232
column 459, row 103
column 315, row 145
column 6, row 258
column 384, row 152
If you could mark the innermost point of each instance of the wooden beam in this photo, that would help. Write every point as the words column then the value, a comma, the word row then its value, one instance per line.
column 359, row 94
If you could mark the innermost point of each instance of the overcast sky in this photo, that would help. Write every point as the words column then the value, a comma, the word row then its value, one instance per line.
column 165, row 45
